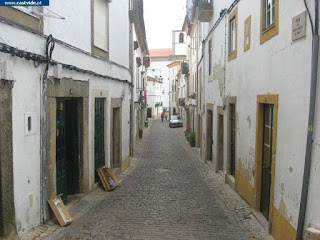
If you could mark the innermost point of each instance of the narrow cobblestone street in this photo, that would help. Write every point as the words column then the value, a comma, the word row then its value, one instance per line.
column 168, row 193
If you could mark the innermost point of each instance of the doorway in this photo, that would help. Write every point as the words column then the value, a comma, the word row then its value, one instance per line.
column 67, row 142
column 232, row 139
column 266, row 159
column 99, row 143
column 209, row 135
column 220, row 142
column 149, row 113
column 116, row 138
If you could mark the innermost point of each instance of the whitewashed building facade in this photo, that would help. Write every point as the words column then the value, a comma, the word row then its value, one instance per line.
column 60, row 125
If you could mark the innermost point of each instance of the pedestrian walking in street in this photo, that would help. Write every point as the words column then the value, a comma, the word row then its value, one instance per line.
column 162, row 116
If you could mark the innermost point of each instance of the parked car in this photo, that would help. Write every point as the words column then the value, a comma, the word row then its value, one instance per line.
column 175, row 121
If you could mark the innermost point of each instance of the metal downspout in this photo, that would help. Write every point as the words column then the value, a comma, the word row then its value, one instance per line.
column 308, row 155
column 131, row 88
column 225, row 61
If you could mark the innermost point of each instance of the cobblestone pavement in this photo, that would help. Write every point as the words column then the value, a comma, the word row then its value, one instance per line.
column 167, row 193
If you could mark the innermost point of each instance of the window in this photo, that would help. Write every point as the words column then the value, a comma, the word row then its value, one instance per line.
column 269, row 19
column 181, row 38
column 233, row 25
column 269, row 12
column 101, row 25
column 232, row 35
column 210, row 56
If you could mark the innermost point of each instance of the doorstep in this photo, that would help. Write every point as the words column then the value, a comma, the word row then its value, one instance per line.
column 261, row 219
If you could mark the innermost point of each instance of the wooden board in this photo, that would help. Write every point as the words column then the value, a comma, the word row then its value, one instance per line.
column 60, row 211
column 104, row 173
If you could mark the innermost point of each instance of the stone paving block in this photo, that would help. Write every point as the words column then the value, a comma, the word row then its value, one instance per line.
column 166, row 193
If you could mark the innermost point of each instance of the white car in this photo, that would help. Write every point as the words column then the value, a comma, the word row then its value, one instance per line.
column 175, row 121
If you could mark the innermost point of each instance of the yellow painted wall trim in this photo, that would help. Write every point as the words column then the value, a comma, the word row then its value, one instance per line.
column 281, row 228
column 244, row 188
column 247, row 21
column 125, row 164
column 272, row 31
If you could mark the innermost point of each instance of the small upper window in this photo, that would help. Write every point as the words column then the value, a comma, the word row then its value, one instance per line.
column 232, row 35
column 181, row 38
column 233, row 32
column 269, row 12
column 269, row 19
column 101, row 25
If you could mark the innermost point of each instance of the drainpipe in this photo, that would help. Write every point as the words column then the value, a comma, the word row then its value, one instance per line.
column 43, row 130
column 225, row 62
column 313, row 94
column 131, row 65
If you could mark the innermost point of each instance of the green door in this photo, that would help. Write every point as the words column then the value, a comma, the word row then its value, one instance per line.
column 61, row 166
column 67, row 148
column 99, row 153
column 72, row 146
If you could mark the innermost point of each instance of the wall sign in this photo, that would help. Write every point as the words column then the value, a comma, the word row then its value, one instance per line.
column 299, row 26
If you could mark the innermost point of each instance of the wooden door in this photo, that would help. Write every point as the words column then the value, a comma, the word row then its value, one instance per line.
column 232, row 139
column 61, row 165
column 220, row 142
column 209, row 135
column 67, row 165
column 116, row 130
column 99, row 149
column 149, row 113
column 72, row 155
column 266, row 160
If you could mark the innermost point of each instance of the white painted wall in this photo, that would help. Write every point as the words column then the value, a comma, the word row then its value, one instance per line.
column 26, row 158
column 76, row 28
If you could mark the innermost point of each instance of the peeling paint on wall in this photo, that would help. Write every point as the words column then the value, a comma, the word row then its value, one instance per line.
column 283, row 207
column 218, row 74
column 290, row 169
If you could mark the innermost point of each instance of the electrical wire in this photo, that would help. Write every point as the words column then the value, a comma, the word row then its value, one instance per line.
column 39, row 59
column 49, row 50
column 310, row 19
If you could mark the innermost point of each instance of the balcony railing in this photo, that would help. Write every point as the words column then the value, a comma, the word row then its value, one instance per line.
column 205, row 10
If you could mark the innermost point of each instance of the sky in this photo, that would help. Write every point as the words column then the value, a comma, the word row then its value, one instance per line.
column 161, row 17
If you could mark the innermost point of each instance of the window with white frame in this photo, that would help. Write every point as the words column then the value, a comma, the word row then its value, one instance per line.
column 101, row 24
column 232, row 35
column 269, row 13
